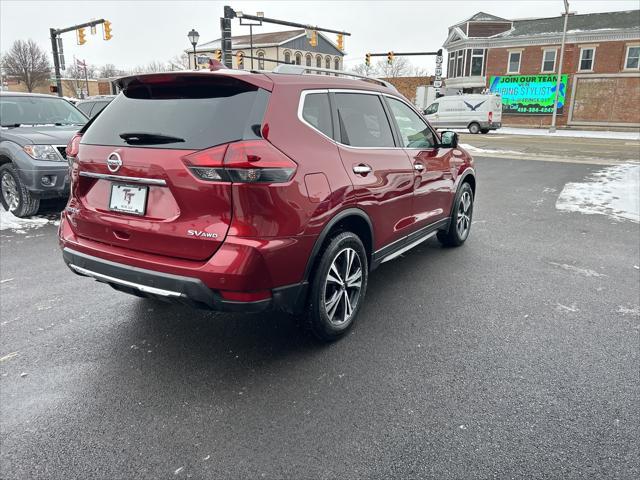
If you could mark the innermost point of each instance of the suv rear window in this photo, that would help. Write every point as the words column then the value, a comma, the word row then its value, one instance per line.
column 197, row 112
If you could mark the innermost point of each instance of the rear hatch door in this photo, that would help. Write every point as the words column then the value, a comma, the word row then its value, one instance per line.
column 132, row 187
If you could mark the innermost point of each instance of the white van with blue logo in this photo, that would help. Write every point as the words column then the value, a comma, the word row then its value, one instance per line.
column 477, row 112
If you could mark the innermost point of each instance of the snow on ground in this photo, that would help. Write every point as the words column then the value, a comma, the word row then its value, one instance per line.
column 630, row 135
column 484, row 151
column 613, row 191
column 8, row 221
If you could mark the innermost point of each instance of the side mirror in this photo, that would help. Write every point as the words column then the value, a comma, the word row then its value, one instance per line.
column 448, row 139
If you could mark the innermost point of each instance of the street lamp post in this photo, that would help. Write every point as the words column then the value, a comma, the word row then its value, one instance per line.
column 193, row 36
column 552, row 128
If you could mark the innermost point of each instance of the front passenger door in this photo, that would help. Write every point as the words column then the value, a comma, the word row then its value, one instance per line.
column 433, row 188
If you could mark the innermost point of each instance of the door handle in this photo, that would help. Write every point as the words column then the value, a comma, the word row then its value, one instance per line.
column 418, row 166
column 361, row 169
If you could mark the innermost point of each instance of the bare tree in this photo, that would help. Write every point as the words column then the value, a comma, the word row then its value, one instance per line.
column 179, row 62
column 400, row 67
column 109, row 70
column 74, row 77
column 364, row 69
column 27, row 62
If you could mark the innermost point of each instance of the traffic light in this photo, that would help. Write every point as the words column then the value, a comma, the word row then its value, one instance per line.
column 390, row 58
column 240, row 60
column 340, row 41
column 313, row 41
column 367, row 59
column 218, row 55
column 81, row 36
column 106, row 30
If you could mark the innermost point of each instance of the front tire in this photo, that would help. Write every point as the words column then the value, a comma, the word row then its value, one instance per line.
column 461, row 216
column 474, row 128
column 338, row 287
column 14, row 195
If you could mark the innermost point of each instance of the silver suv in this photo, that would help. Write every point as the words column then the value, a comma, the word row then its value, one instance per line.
column 34, row 134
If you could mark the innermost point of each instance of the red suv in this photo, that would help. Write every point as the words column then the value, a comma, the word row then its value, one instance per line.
column 243, row 191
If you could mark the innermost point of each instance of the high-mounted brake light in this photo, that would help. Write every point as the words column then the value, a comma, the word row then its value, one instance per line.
column 251, row 161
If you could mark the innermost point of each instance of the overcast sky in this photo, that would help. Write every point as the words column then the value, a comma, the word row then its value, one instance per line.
column 144, row 31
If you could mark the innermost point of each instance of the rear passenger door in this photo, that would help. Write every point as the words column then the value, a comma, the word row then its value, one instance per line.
column 380, row 170
column 431, row 165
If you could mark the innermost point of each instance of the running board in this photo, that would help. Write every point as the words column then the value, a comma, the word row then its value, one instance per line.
column 407, row 248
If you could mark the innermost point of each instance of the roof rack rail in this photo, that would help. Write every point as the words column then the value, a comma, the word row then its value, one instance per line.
column 302, row 69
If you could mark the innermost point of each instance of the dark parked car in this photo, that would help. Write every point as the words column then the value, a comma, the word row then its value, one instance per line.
column 35, row 131
column 94, row 105
column 243, row 191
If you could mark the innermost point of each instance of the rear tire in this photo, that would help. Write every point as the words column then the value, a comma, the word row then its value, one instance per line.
column 338, row 287
column 474, row 128
column 14, row 196
column 461, row 217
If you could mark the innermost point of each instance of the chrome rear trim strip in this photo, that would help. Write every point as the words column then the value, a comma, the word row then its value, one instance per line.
column 143, row 288
column 118, row 178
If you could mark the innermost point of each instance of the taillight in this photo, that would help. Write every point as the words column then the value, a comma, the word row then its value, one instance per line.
column 73, row 146
column 490, row 117
column 251, row 161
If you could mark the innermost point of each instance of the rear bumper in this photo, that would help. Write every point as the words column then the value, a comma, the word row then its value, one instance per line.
column 176, row 288
column 490, row 125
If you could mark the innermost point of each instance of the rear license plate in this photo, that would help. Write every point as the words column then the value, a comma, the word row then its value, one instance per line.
column 128, row 198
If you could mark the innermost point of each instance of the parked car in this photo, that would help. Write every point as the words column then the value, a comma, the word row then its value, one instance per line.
column 242, row 191
column 477, row 112
column 33, row 137
column 94, row 105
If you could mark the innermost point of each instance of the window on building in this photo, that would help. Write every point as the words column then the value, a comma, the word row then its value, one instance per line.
column 327, row 64
column 514, row 62
column 307, row 60
column 451, row 67
column 298, row 58
column 319, row 61
column 587, row 56
column 549, row 60
column 413, row 129
column 260, row 60
column 316, row 112
column 632, row 60
column 287, row 57
column 362, row 120
column 336, row 63
column 459, row 63
column 477, row 60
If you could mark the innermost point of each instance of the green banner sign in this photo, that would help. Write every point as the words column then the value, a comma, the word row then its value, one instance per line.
column 529, row 94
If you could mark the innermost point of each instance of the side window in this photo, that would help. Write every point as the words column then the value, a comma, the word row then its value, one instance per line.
column 85, row 107
column 431, row 109
column 413, row 130
column 98, row 107
column 317, row 112
column 363, row 122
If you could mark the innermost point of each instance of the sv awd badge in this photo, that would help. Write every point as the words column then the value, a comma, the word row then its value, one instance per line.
column 201, row 234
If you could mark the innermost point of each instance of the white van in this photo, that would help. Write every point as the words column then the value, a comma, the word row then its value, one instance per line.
column 477, row 112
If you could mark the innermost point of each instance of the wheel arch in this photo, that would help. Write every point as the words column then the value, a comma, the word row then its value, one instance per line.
column 350, row 219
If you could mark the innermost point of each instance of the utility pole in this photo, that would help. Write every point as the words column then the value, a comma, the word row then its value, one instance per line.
column 552, row 128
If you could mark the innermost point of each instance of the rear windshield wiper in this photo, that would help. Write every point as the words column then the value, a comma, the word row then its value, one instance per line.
column 136, row 138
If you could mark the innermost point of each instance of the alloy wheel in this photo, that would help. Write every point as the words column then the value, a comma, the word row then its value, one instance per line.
column 343, row 286
column 463, row 221
column 9, row 191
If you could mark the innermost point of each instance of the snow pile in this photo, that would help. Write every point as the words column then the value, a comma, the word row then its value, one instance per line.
column 613, row 191
column 630, row 135
column 485, row 151
column 8, row 221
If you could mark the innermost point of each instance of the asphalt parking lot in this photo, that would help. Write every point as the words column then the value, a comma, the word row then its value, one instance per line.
column 515, row 356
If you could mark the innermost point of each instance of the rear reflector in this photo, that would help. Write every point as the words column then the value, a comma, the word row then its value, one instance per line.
column 252, row 161
column 246, row 296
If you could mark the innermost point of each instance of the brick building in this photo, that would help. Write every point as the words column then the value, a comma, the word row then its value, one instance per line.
column 519, row 59
column 407, row 85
